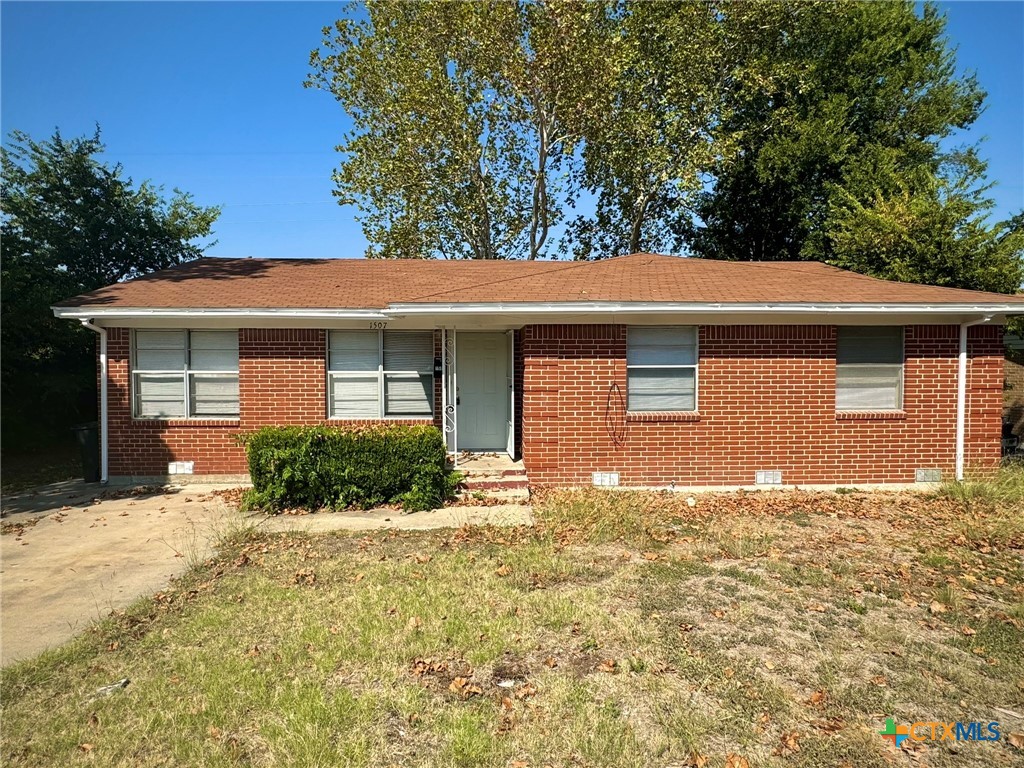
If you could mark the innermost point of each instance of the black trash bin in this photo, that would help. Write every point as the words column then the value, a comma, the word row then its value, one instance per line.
column 88, row 436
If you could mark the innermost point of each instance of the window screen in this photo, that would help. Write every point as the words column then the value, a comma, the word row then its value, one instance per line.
column 373, row 374
column 869, row 368
column 185, row 374
column 662, row 368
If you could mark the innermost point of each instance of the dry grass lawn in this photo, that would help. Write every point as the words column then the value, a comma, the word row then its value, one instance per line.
column 627, row 629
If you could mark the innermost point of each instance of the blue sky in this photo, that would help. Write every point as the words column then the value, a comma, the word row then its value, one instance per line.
column 208, row 97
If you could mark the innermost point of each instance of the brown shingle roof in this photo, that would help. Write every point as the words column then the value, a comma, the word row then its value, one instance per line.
column 374, row 284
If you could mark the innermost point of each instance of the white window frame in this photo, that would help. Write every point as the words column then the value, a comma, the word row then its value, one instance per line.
column 187, row 374
column 900, row 382
column 695, row 366
column 382, row 373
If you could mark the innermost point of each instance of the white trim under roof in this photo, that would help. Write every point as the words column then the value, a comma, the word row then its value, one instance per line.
column 613, row 307
column 524, row 308
column 170, row 312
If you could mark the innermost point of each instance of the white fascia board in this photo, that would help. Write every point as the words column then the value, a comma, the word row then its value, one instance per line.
column 541, row 309
column 129, row 313
column 640, row 307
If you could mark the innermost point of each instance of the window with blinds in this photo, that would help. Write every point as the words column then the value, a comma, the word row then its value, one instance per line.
column 869, row 368
column 376, row 374
column 661, row 366
column 185, row 374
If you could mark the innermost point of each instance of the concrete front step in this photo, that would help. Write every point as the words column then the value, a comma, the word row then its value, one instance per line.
column 495, row 482
column 504, row 494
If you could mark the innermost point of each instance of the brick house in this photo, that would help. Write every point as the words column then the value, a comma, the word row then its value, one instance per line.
column 642, row 370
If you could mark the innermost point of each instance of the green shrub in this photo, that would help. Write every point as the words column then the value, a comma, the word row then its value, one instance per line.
column 326, row 466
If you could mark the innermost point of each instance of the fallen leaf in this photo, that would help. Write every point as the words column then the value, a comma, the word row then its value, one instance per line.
column 359, row 577
column 86, row 747
column 697, row 760
column 817, row 698
column 1015, row 740
column 464, row 687
column 790, row 743
column 526, row 691
column 968, row 631
column 550, row 662
column 503, row 571
column 769, row 665
column 415, row 622
column 936, row 607
column 608, row 665
column 880, row 681
column 732, row 760
column 830, row 725
column 651, row 556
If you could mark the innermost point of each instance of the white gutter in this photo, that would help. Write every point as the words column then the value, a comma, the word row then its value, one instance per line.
column 103, row 397
column 573, row 307
column 961, row 395
column 87, row 313
column 535, row 308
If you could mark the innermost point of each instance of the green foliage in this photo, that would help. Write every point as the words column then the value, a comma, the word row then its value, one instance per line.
column 1004, row 487
column 838, row 113
column 466, row 120
column 769, row 130
column 324, row 466
column 71, row 224
column 645, row 158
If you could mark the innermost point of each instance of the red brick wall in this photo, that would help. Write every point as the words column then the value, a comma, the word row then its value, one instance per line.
column 984, row 396
column 281, row 378
column 766, row 401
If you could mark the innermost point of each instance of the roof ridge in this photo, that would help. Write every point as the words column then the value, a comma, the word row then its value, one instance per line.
column 449, row 289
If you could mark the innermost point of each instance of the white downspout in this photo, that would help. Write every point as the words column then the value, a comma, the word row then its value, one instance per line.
column 961, row 395
column 103, row 397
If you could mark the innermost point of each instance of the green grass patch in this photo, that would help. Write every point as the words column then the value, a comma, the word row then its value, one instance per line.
column 624, row 630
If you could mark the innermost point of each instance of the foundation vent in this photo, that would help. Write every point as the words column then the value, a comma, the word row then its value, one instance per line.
column 928, row 476
column 605, row 479
column 180, row 468
column 768, row 477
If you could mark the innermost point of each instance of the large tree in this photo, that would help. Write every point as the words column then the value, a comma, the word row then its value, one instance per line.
column 647, row 156
column 840, row 112
column 71, row 223
column 767, row 130
column 466, row 120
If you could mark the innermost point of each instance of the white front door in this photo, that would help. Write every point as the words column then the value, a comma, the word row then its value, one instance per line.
column 482, row 396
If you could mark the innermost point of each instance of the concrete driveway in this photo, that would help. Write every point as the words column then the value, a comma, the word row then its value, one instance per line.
column 71, row 553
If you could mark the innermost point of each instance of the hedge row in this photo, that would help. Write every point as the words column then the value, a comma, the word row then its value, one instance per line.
column 335, row 467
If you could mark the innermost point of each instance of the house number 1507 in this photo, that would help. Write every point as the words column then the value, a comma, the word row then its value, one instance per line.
column 378, row 325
